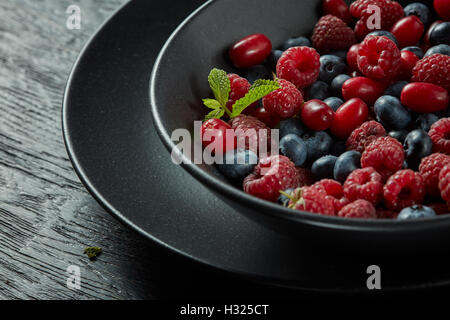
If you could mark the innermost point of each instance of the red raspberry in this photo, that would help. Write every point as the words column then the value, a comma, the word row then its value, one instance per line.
column 250, row 133
column 386, row 214
column 332, row 34
column 305, row 177
column 284, row 102
column 391, row 12
column 440, row 135
column 361, row 137
column 444, row 183
column 239, row 88
column 270, row 176
column 312, row 200
column 366, row 184
column 358, row 209
column 299, row 65
column 439, row 208
column 334, row 191
column 379, row 58
column 385, row 155
column 404, row 189
column 433, row 69
column 429, row 170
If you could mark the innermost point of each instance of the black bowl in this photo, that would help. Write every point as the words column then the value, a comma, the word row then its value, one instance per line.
column 179, row 83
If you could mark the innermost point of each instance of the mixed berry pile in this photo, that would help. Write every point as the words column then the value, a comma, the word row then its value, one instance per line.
column 363, row 114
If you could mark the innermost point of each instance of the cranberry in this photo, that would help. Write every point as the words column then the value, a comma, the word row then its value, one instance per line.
column 317, row 115
column 407, row 62
column 364, row 88
column 352, row 56
column 424, row 97
column 442, row 8
column 250, row 51
column 348, row 117
column 262, row 115
column 337, row 8
column 408, row 31
column 216, row 130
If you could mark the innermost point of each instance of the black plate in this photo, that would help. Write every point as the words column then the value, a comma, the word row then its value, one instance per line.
column 118, row 155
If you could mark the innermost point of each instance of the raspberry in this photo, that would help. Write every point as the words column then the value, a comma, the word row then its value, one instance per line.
column 239, row 88
column 433, row 69
column 366, row 184
column 271, row 175
column 361, row 137
column 305, row 177
column 439, row 208
column 249, row 136
column 386, row 214
column 332, row 34
column 440, row 134
column 429, row 170
column 313, row 200
column 358, row 209
column 404, row 189
column 385, row 155
column 299, row 65
column 444, row 183
column 334, row 191
column 284, row 102
column 379, row 58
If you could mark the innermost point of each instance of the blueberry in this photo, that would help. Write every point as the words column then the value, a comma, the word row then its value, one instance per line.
column 237, row 164
column 391, row 114
column 282, row 199
column 338, row 148
column 330, row 67
column 333, row 102
column 416, row 212
column 318, row 90
column 441, row 48
column 400, row 135
column 318, row 144
column 293, row 147
column 395, row 89
column 296, row 42
column 291, row 125
column 340, row 54
column 272, row 60
column 384, row 33
column 346, row 163
column 425, row 121
column 336, row 84
column 258, row 72
column 323, row 167
column 420, row 10
column 416, row 50
column 417, row 145
column 440, row 34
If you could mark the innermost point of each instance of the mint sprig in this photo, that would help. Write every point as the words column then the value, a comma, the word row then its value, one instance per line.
column 221, row 87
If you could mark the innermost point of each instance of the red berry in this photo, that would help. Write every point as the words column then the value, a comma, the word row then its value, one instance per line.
column 361, row 209
column 440, row 135
column 429, row 170
column 386, row 214
column 366, row 184
column 364, row 135
column 312, row 200
column 433, row 69
column 352, row 56
column 334, row 191
column 251, row 133
column 361, row 30
column 317, row 115
column 250, row 51
column 378, row 58
column 442, row 8
column 404, row 189
column 349, row 116
column 391, row 12
column 364, row 88
column 424, row 97
column 214, row 133
column 284, row 102
column 444, row 183
column 407, row 62
column 408, row 31
column 305, row 177
column 299, row 65
column 271, row 175
column 239, row 88
column 439, row 207
column 385, row 155
column 262, row 115
column 332, row 34
column 337, row 8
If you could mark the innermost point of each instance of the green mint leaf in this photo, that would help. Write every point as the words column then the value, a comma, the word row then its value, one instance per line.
column 212, row 103
column 220, row 85
column 216, row 113
column 261, row 89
